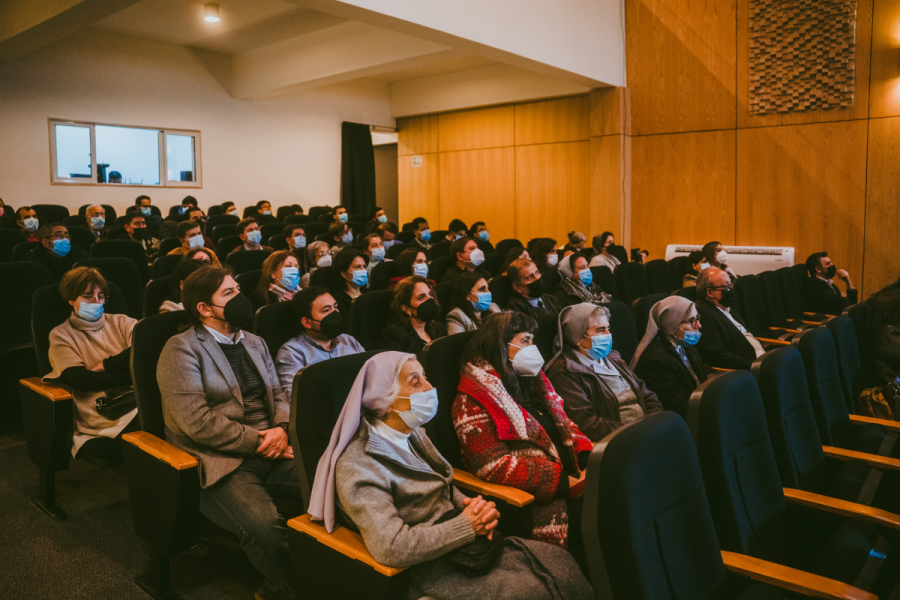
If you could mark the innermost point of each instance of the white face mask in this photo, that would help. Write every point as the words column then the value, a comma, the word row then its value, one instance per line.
column 325, row 261
column 704, row 265
column 552, row 259
column 422, row 408
column 528, row 361
column 196, row 241
column 722, row 256
column 476, row 257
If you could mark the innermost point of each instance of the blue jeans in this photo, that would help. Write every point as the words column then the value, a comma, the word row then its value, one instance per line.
column 243, row 502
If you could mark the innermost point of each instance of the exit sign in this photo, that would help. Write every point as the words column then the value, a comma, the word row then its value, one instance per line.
column 417, row 161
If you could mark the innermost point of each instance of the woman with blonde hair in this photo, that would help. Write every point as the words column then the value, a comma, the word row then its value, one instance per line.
column 280, row 279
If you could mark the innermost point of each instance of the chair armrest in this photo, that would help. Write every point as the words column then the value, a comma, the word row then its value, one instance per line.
column 343, row 540
column 161, row 450
column 842, row 507
column 510, row 495
column 873, row 460
column 792, row 579
column 889, row 425
column 774, row 342
column 53, row 393
column 718, row 370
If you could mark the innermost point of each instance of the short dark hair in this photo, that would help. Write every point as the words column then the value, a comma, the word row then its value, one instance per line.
column 291, row 228
column 23, row 208
column 364, row 242
column 46, row 231
column 376, row 211
column 134, row 215
column 226, row 205
column 242, row 225
column 474, row 229
column 539, row 249
column 186, row 226
column 457, row 246
column 200, row 287
column 407, row 259
column 460, row 292
column 301, row 303
column 80, row 279
column 389, row 227
column 183, row 269
column 187, row 213
column 814, row 260
column 189, row 200
column 141, row 198
column 336, row 228
column 457, row 225
column 259, row 204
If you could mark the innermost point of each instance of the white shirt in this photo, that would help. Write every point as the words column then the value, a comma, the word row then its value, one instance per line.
column 223, row 339
column 399, row 440
column 757, row 347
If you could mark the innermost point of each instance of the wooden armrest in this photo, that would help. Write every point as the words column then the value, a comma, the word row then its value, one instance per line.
column 50, row 392
column 510, row 495
column 812, row 314
column 843, row 507
column 889, row 425
column 794, row 580
column 161, row 449
column 873, row 460
column 717, row 369
column 343, row 540
column 774, row 342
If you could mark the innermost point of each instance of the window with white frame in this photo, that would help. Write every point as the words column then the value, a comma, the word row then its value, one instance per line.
column 100, row 154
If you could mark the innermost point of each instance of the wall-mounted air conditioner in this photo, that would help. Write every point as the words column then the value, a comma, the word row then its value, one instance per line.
column 743, row 260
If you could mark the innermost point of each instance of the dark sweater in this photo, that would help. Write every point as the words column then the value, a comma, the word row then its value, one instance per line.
column 57, row 265
column 253, row 389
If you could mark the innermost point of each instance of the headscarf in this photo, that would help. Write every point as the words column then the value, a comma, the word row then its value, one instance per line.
column 576, row 288
column 666, row 316
column 565, row 266
column 572, row 322
column 374, row 389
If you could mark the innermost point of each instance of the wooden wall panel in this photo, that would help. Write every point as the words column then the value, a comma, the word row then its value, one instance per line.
column 882, row 244
column 419, row 190
column 481, row 128
column 860, row 108
column 681, row 65
column 552, row 190
column 682, row 190
column 610, row 165
column 610, row 111
column 884, row 95
column 804, row 186
column 480, row 185
column 557, row 120
column 417, row 135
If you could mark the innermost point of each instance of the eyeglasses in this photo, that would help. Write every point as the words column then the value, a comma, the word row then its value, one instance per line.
column 693, row 321
column 722, row 287
column 93, row 299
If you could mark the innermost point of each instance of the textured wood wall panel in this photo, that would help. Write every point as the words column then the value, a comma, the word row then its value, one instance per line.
column 804, row 186
column 610, row 164
column 681, row 65
column 417, row 135
column 682, row 190
column 480, row 185
column 557, row 120
column 882, row 206
column 552, row 190
column 610, row 111
column 885, row 91
column 419, row 190
column 480, row 128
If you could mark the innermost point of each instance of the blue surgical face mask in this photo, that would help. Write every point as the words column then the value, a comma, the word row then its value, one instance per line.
column 691, row 337
column 254, row 237
column 347, row 238
column 389, row 243
column 182, row 209
column 586, row 277
column 98, row 222
column 62, row 247
column 360, row 278
column 89, row 311
column 342, row 217
column 484, row 301
column 422, row 408
column 600, row 346
column 425, row 234
column 421, row 270
column 382, row 219
column 704, row 266
column 299, row 241
column 378, row 254
column 146, row 211
column 267, row 212
column 484, row 235
column 290, row 278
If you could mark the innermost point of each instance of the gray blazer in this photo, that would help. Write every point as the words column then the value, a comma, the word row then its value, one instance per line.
column 202, row 403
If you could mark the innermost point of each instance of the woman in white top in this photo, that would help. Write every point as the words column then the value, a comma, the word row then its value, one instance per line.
column 469, row 301
column 603, row 258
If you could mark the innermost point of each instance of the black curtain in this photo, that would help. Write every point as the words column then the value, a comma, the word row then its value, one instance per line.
column 357, row 169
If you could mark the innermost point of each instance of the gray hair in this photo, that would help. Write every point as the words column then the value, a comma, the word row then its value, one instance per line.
column 576, row 237
column 705, row 281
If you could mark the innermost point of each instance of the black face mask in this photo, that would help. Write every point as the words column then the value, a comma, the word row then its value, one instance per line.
column 332, row 325
column 830, row 272
column 139, row 234
column 238, row 311
column 536, row 288
column 428, row 311
column 728, row 298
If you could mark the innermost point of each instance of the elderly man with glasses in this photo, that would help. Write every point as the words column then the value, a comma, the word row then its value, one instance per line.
column 725, row 342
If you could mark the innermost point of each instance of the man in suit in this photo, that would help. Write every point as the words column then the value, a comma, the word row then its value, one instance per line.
column 819, row 292
column 528, row 294
column 725, row 342
column 222, row 403
column 96, row 220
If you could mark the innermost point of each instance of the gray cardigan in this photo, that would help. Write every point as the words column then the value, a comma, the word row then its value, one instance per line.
column 458, row 321
column 395, row 505
column 202, row 403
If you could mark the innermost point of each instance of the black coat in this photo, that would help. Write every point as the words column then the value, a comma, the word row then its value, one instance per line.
column 402, row 337
column 821, row 297
column 665, row 373
column 519, row 304
column 721, row 343
column 55, row 264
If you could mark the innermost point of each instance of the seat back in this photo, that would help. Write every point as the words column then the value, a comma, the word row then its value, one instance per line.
column 283, row 212
column 439, row 266
column 624, row 332
column 861, row 315
column 647, row 528
column 791, row 295
column 801, row 275
column 75, row 221
column 302, row 219
column 549, row 280
column 492, row 263
column 816, row 347
column 659, row 277
column 315, row 211
column 275, row 324
column 270, row 229
column 753, row 307
column 678, row 266
column 440, row 250
column 501, row 290
column 790, row 420
column 394, row 251
column 217, row 220
column 641, row 311
column 620, row 253
column 442, row 292
column 50, row 213
column 225, row 246
column 771, row 295
column 252, row 260
column 504, row 246
column 124, row 273
column 81, row 237
column 687, row 292
column 22, row 249
column 164, row 265
column 129, row 249
column 222, row 230
column 321, row 276
column 248, row 281
column 546, row 332
column 155, row 294
column 368, row 316
column 21, row 280
column 149, row 337
column 441, row 359
column 279, row 242
column 630, row 282
column 605, row 279
column 313, row 230
column 382, row 275
column 405, row 236
column 9, row 239
column 847, row 354
column 167, row 245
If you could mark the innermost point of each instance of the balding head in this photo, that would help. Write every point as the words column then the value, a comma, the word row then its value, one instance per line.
column 94, row 210
column 707, row 280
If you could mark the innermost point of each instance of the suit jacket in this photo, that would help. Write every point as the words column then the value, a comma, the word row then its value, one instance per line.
column 721, row 343
column 202, row 403
column 821, row 297
column 665, row 373
column 519, row 304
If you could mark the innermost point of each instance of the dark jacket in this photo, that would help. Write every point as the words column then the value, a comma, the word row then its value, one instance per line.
column 665, row 373
column 344, row 301
column 402, row 337
column 721, row 343
column 589, row 402
column 453, row 273
column 821, row 297
column 56, row 265
column 519, row 304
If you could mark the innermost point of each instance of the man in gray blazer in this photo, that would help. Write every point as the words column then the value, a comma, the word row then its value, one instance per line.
column 222, row 404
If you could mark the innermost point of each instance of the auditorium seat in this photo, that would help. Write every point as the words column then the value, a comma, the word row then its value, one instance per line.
column 547, row 330
column 225, row 245
column 442, row 293
column 861, row 315
column 315, row 211
column 283, row 212
column 492, row 263
column 75, row 221
column 549, row 280
column 846, row 352
column 630, row 282
column 125, row 274
column 358, row 229
column 50, row 213
column 382, row 274
column 774, row 304
column 155, row 293
column 623, row 329
column 753, row 308
column 129, row 249
column 249, row 280
column 221, row 230
column 81, row 237
column 368, row 316
column 216, row 220
column 215, row 210
column 792, row 297
column 678, row 267
column 406, row 237
column 439, row 266
column 314, row 230
column 394, row 251
column 501, row 290
column 167, row 245
column 269, row 230
column 603, row 277
column 250, row 212
column 278, row 242
column 275, row 324
column 659, row 278
column 164, row 265
column 504, row 246
column 321, row 276
column 689, row 292
column 439, row 250
column 641, row 307
column 301, row 219
column 251, row 260
column 20, row 250
column 9, row 239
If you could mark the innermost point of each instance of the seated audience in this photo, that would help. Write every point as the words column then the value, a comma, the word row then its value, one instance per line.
column 479, row 232
column 190, row 234
column 884, row 331
column 317, row 255
column 422, row 233
column 322, row 335
column 228, row 208
column 543, row 252
column 457, row 229
column 295, row 236
column 469, row 300
column 666, row 358
column 202, row 255
column 264, row 207
column 376, row 219
column 576, row 242
column 339, row 235
column 513, row 254
column 696, row 262
column 528, row 295
column 577, row 283
column 340, row 215
column 90, row 354
column 248, row 231
column 144, row 204
column 96, row 220
column 415, row 318
column 373, row 247
column 541, row 451
column 27, row 222
column 820, row 295
column 280, row 279
column 55, row 251
column 181, row 272
column 387, row 232
column 602, row 257
column 349, row 278
column 410, row 262
column 600, row 393
column 469, row 258
column 401, row 499
column 715, row 255
column 725, row 342
column 138, row 232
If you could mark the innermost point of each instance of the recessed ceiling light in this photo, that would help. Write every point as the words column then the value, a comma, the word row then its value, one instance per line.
column 211, row 12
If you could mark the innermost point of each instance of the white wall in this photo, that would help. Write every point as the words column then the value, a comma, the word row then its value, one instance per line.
column 286, row 150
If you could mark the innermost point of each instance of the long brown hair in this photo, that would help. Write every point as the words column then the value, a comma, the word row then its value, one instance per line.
column 271, row 264
column 403, row 294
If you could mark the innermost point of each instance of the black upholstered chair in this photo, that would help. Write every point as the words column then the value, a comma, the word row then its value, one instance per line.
column 439, row 250
column 248, row 280
column 275, row 324
column 167, row 245
column 368, row 316
column 501, row 290
column 155, row 293
column 129, row 249
column 321, row 276
column 270, row 229
column 313, row 230
column 861, row 315
column 846, row 352
column 504, row 246
column 624, row 331
column 9, row 239
column 774, row 304
column 215, row 221
column 442, row 292
column 222, row 230
column 492, row 263
column 547, row 329
column 659, row 277
column 76, row 221
column 792, row 297
column 394, row 251
column 125, row 274
column 753, row 308
column 641, row 307
column 279, row 242
column 687, row 292
column 50, row 213
column 549, row 280
column 81, row 237
column 630, row 282
column 225, row 246
column 20, row 250
column 678, row 267
column 302, row 219
column 606, row 280
column 164, row 265
column 439, row 266
column 252, row 260
column 382, row 275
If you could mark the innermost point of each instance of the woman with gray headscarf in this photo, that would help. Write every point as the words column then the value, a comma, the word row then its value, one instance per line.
column 317, row 255
column 577, row 283
column 599, row 391
column 666, row 357
column 383, row 474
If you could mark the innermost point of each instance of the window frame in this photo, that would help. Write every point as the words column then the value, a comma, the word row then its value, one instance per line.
column 162, row 132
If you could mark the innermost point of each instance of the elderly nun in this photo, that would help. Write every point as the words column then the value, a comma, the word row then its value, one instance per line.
column 600, row 393
column 383, row 475
column 666, row 357
column 577, row 283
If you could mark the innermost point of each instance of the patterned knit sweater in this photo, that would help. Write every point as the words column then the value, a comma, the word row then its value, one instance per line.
column 502, row 443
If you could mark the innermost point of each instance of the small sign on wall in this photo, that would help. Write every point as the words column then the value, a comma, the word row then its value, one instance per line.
column 417, row 161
